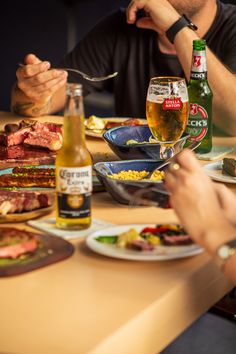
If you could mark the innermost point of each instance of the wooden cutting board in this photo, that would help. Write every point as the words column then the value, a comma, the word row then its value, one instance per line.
column 52, row 249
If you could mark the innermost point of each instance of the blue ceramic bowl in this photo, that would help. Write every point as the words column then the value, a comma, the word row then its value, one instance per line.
column 117, row 138
column 133, row 192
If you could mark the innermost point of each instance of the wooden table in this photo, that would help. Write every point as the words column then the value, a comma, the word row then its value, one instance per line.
column 99, row 305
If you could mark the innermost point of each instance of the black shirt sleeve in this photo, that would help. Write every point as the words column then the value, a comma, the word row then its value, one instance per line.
column 93, row 55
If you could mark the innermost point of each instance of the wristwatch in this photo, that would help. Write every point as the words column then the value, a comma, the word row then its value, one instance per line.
column 225, row 251
column 182, row 22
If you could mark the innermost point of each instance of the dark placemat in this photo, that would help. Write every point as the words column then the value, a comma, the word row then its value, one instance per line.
column 51, row 249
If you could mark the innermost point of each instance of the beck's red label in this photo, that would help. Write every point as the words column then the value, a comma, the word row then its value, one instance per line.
column 197, row 61
column 172, row 104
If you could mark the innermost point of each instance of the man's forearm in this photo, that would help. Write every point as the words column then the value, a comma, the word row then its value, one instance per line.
column 221, row 81
column 23, row 105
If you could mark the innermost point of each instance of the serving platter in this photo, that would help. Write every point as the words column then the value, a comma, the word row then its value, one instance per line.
column 98, row 133
column 51, row 249
column 214, row 170
column 9, row 171
column 160, row 253
column 26, row 215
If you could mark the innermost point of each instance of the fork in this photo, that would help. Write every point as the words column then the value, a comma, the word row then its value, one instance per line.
column 89, row 77
column 86, row 76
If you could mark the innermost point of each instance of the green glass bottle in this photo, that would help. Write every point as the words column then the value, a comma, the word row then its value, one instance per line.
column 200, row 100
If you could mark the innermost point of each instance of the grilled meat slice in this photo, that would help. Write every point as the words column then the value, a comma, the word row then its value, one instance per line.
column 49, row 140
column 9, row 180
column 15, row 242
column 30, row 171
column 177, row 240
column 21, row 201
column 18, row 137
column 130, row 122
column 47, row 135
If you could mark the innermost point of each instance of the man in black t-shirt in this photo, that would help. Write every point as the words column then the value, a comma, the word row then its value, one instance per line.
column 139, row 49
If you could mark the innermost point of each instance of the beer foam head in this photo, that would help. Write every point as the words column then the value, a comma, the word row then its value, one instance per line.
column 157, row 93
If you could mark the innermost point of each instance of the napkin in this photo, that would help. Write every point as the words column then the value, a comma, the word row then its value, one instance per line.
column 217, row 152
column 49, row 226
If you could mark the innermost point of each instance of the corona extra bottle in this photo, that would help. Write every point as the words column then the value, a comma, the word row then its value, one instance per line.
column 200, row 99
column 73, row 167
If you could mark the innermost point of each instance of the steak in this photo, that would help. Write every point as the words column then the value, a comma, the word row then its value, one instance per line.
column 20, row 201
column 17, row 137
column 47, row 139
column 130, row 122
column 177, row 240
column 46, row 135
column 47, row 127
column 15, row 242
column 16, row 155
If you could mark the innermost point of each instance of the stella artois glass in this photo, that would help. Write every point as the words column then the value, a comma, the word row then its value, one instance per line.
column 167, row 108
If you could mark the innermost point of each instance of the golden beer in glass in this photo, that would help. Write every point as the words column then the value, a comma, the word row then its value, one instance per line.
column 167, row 108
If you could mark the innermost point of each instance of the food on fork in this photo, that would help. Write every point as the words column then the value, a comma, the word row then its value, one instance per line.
column 229, row 166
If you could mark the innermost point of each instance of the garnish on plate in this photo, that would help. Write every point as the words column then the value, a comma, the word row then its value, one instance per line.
column 149, row 237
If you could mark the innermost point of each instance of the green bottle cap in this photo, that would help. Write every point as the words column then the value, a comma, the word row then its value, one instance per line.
column 199, row 44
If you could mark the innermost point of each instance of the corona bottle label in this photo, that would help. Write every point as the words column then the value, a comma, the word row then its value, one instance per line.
column 74, row 187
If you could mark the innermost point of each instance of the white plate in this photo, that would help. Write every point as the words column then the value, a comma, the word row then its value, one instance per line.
column 97, row 133
column 214, row 170
column 160, row 253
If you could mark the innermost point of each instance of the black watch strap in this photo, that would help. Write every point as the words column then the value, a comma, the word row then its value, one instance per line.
column 177, row 26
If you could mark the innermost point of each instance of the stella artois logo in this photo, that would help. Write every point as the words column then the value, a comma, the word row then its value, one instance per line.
column 197, row 123
column 174, row 104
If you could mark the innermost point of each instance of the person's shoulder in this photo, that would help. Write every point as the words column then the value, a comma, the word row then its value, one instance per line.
column 227, row 11
column 224, row 23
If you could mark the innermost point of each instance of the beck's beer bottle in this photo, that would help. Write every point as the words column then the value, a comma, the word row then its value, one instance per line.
column 200, row 100
column 73, row 167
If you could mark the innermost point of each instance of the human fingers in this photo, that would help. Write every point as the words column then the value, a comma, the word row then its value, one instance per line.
column 187, row 160
column 31, row 59
column 38, row 81
column 147, row 23
column 132, row 9
column 45, row 89
column 29, row 70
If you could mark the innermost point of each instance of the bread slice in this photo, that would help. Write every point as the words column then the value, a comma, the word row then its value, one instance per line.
column 229, row 166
